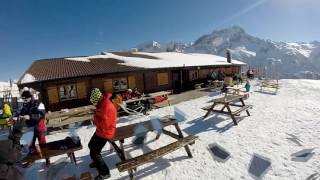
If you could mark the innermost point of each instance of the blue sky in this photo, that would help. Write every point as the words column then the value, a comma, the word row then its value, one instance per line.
column 37, row 29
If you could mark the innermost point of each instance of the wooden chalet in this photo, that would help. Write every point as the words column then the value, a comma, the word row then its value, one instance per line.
column 67, row 82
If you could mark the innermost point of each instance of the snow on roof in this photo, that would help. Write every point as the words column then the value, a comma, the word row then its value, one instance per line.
column 164, row 59
column 27, row 78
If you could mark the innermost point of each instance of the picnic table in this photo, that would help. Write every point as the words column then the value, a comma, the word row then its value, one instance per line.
column 55, row 148
column 269, row 84
column 69, row 116
column 124, row 132
column 227, row 101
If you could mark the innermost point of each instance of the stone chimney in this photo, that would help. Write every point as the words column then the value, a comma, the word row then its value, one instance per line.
column 228, row 56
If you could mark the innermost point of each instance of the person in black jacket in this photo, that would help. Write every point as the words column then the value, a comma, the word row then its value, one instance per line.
column 33, row 117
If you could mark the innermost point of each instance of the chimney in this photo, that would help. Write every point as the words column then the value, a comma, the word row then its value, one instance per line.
column 228, row 56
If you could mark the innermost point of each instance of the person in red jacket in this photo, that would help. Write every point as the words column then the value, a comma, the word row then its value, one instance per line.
column 105, row 119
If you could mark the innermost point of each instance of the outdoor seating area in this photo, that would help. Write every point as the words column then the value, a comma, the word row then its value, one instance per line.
column 131, row 146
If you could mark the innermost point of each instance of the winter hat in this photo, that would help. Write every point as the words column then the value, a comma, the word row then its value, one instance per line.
column 95, row 96
column 26, row 94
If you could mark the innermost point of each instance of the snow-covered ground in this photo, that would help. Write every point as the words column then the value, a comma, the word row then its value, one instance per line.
column 279, row 126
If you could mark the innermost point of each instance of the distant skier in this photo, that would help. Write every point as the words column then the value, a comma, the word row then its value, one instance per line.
column 105, row 119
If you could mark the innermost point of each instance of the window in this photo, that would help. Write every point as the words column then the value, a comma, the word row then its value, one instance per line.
column 163, row 79
column 67, row 92
column 193, row 75
column 120, row 84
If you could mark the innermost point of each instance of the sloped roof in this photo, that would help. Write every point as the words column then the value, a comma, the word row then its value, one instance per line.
column 59, row 68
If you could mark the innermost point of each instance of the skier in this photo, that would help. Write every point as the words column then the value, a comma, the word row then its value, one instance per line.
column 105, row 119
column 33, row 114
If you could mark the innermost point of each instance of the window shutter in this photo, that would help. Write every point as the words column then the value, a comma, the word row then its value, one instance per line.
column 163, row 79
column 81, row 90
column 53, row 95
column 132, row 82
column 107, row 84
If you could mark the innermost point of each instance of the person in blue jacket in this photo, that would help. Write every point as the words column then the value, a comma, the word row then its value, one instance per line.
column 247, row 86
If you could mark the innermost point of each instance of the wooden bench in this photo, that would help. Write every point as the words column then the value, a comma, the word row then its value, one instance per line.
column 69, row 116
column 125, row 132
column 52, row 149
column 155, row 154
column 243, row 108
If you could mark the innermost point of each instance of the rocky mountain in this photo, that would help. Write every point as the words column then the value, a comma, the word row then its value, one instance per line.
column 280, row 59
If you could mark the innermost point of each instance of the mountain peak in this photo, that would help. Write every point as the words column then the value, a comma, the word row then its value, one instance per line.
column 235, row 29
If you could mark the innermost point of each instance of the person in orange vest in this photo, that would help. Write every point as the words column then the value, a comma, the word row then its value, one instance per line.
column 105, row 120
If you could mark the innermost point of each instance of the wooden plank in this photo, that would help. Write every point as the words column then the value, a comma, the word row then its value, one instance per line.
column 47, row 153
column 241, row 109
column 228, row 98
column 61, row 122
column 155, row 154
column 70, row 112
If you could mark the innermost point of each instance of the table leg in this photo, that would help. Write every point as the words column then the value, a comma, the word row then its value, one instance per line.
column 181, row 136
column 233, row 118
column 209, row 110
column 224, row 106
column 125, row 157
column 158, row 135
column 242, row 102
